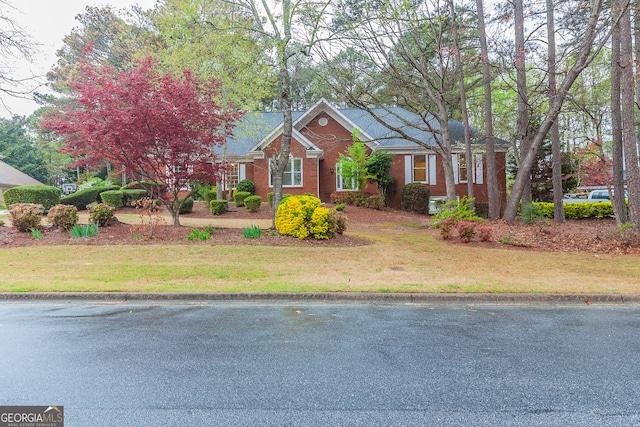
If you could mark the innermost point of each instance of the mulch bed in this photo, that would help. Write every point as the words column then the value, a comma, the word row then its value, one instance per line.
column 593, row 236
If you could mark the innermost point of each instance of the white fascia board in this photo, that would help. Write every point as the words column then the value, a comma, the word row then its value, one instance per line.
column 324, row 106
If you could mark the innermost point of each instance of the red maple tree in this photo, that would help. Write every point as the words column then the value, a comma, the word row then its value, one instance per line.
column 595, row 165
column 159, row 127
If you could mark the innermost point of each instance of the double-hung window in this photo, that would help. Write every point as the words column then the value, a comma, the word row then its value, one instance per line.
column 420, row 168
column 343, row 183
column 292, row 174
column 462, row 167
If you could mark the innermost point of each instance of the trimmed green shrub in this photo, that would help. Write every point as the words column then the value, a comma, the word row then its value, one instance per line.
column 142, row 185
column 218, row 207
column 415, row 198
column 252, row 203
column 578, row 210
column 26, row 216
column 80, row 199
column 44, row 195
column 187, row 205
column 113, row 198
column 239, row 197
column 246, row 185
column 63, row 216
column 210, row 195
column 102, row 214
column 133, row 195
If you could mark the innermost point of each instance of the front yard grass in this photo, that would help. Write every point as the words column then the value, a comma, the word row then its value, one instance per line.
column 393, row 263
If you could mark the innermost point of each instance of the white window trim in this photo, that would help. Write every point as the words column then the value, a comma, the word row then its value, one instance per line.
column 430, row 173
column 291, row 165
column 340, row 180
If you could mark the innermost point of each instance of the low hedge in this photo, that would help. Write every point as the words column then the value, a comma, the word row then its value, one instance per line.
column 252, row 203
column 44, row 195
column 80, row 199
column 113, row 198
column 187, row 205
column 130, row 196
column 579, row 210
column 218, row 207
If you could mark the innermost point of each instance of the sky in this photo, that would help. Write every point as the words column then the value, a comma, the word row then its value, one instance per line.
column 48, row 22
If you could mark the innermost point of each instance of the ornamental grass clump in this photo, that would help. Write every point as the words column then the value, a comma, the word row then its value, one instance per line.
column 84, row 231
column 253, row 232
column 302, row 217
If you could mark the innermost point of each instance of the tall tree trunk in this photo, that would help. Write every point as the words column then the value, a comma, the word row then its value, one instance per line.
column 556, row 151
column 619, row 205
column 523, row 99
column 463, row 106
column 279, row 164
column 587, row 51
column 628, row 119
column 493, row 193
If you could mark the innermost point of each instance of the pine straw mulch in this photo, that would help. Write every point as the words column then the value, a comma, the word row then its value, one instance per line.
column 593, row 236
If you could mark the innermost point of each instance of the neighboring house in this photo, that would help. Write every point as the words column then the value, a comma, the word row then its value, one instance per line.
column 323, row 131
column 12, row 177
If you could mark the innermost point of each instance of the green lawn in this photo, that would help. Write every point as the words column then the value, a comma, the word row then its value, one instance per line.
column 397, row 261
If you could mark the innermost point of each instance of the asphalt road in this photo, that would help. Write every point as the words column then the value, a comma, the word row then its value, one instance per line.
column 312, row 364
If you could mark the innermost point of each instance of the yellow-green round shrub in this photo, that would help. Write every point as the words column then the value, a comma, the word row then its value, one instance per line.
column 302, row 216
column 293, row 217
column 320, row 224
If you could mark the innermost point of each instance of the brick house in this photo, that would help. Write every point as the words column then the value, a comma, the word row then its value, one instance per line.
column 323, row 131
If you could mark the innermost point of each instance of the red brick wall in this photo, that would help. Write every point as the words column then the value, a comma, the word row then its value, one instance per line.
column 480, row 190
column 319, row 175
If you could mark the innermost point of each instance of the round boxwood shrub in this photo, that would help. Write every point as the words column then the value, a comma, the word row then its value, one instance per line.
column 252, row 203
column 25, row 216
column 239, row 197
column 246, row 185
column 218, row 207
column 415, row 198
column 44, row 195
column 63, row 216
column 210, row 195
column 187, row 205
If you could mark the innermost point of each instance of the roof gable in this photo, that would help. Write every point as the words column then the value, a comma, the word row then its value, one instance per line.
column 12, row 177
column 257, row 130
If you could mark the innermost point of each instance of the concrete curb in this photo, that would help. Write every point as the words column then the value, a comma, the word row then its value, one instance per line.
column 406, row 298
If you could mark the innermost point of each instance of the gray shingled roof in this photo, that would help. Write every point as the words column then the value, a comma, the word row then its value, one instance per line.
column 12, row 177
column 257, row 126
